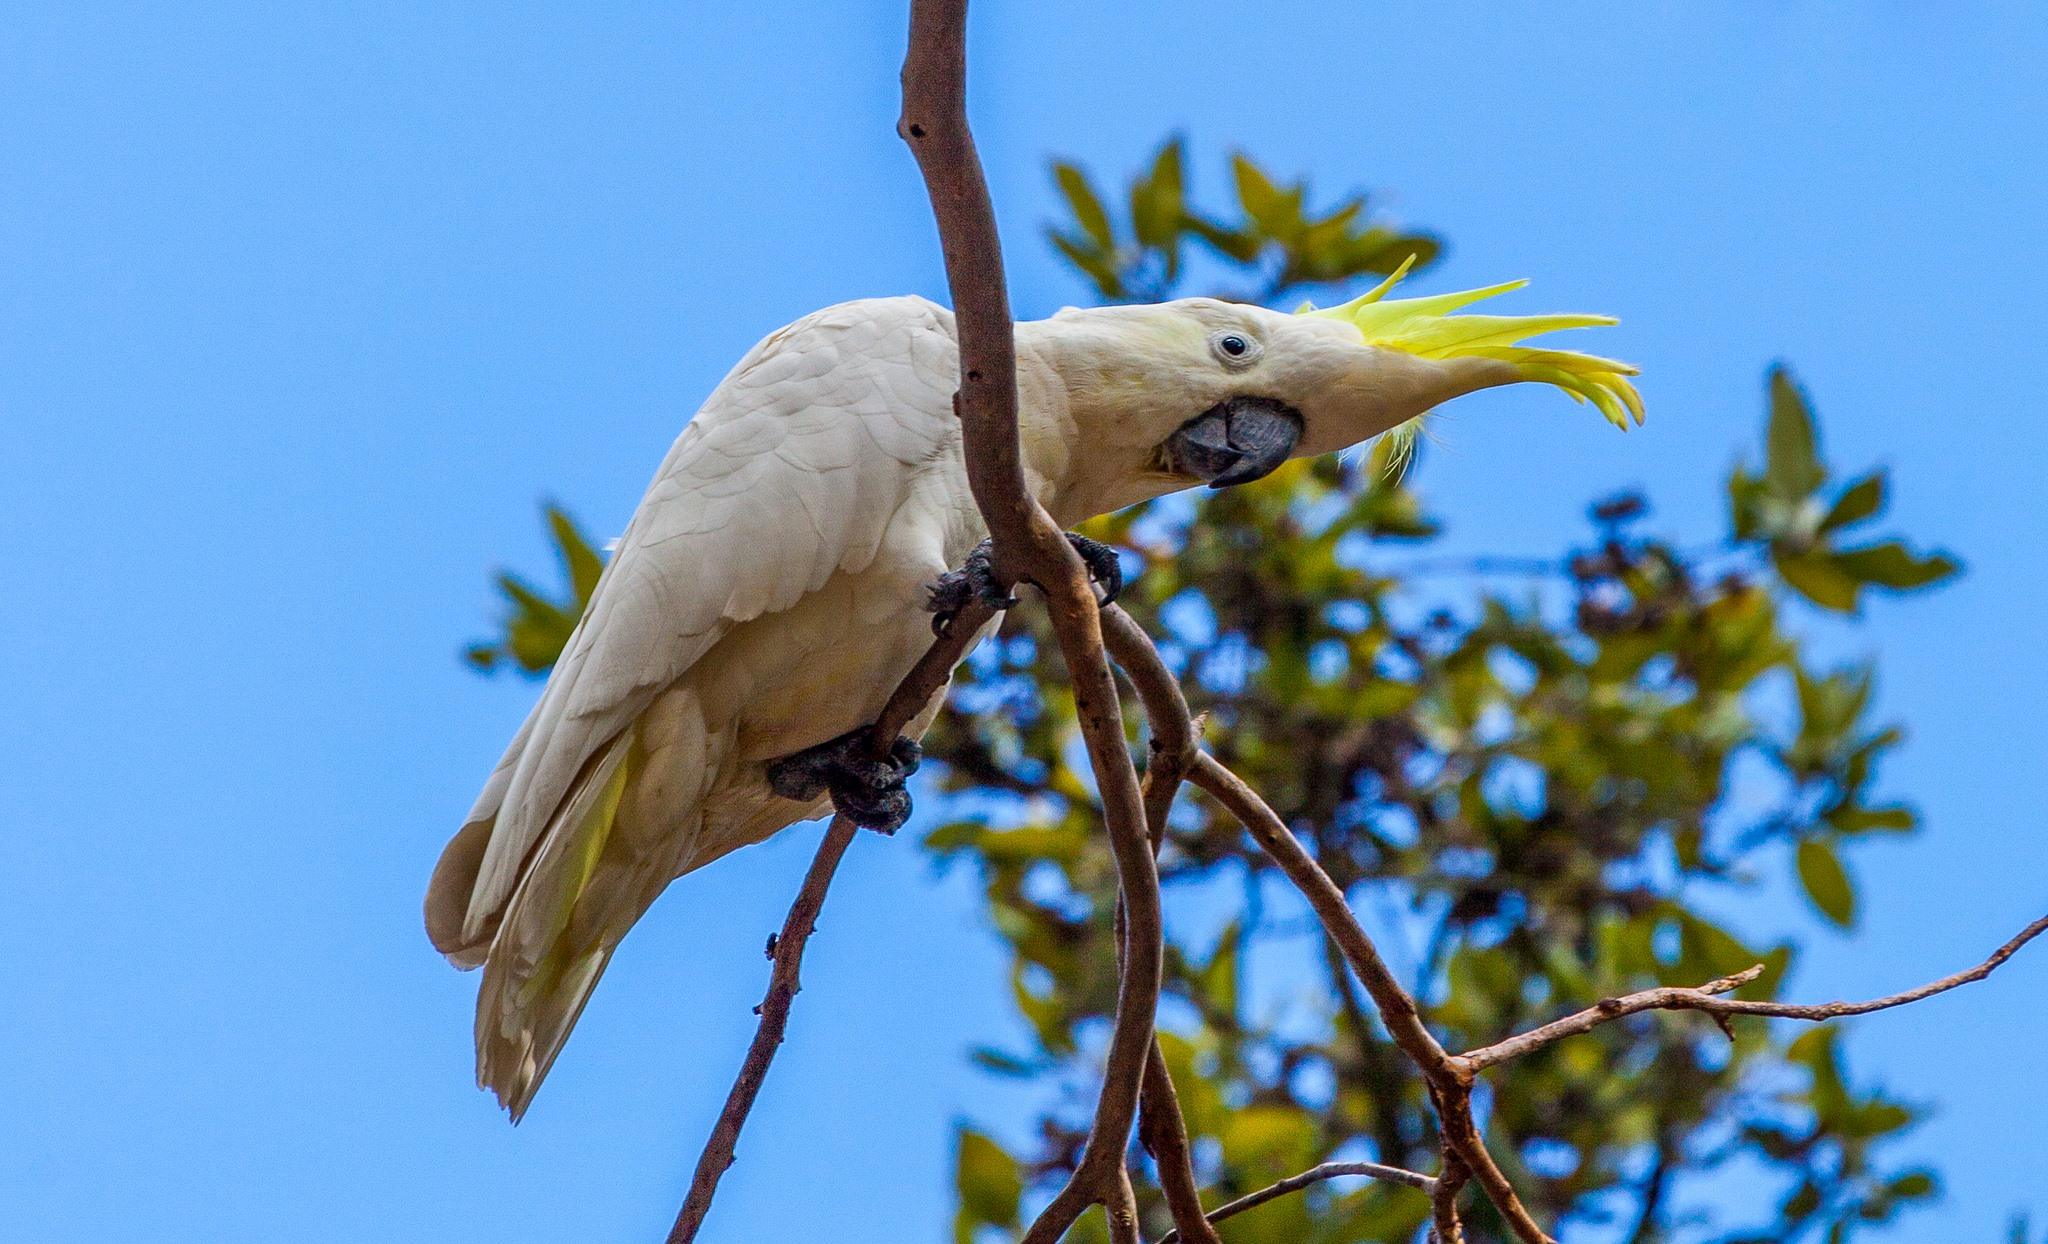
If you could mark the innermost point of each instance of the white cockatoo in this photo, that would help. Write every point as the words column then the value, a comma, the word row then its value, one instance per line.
column 773, row 587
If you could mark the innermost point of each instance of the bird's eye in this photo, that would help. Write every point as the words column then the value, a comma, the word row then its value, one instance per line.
column 1235, row 349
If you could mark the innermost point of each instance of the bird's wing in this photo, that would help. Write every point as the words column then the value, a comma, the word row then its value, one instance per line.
column 790, row 473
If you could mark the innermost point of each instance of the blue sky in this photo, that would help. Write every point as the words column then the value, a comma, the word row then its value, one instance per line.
column 303, row 307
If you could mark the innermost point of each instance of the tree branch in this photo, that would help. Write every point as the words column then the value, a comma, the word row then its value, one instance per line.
column 1309, row 1178
column 1449, row 1081
column 1122, row 1207
column 1028, row 545
column 1443, row 1202
column 925, row 679
column 1704, row 998
column 788, row 951
column 1162, row 1128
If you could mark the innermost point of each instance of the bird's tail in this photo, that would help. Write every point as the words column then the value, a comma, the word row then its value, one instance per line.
column 556, row 935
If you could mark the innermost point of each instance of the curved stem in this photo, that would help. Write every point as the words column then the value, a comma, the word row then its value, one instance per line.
column 1309, row 1178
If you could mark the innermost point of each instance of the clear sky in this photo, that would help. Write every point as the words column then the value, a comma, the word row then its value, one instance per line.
column 304, row 306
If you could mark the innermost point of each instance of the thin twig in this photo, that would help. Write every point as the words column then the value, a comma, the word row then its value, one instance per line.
column 1397, row 1009
column 1163, row 1130
column 1309, row 1178
column 1463, row 1137
column 1450, row 1081
column 1704, row 998
column 783, row 984
column 1654, row 1187
column 1174, row 733
column 925, row 679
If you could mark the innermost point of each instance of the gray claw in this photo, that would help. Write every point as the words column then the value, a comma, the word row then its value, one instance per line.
column 867, row 791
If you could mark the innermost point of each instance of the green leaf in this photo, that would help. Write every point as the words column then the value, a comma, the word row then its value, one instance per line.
column 990, row 1184
column 1746, row 505
column 1097, row 265
column 1158, row 203
column 1818, row 578
column 997, row 1062
column 582, row 559
column 1275, row 211
column 1238, row 245
column 1217, row 979
column 1914, row 1185
column 1875, row 1117
column 1861, row 500
column 1827, row 882
column 1792, row 461
column 1856, row 819
column 1086, row 204
column 1892, row 565
column 1273, row 1141
column 1706, row 950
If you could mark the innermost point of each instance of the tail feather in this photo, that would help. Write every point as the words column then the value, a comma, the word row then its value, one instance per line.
column 542, row 965
column 455, row 873
column 448, row 897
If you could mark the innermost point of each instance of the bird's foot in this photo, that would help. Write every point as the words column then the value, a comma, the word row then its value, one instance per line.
column 866, row 791
column 975, row 581
column 1105, row 568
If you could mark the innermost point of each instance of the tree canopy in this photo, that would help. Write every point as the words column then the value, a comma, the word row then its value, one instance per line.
column 1542, row 775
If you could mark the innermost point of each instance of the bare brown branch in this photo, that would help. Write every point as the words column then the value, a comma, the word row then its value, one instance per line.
column 1464, row 1139
column 1450, row 1082
column 783, row 984
column 1174, row 734
column 1122, row 1207
column 1309, row 1178
column 1162, row 1128
column 1706, row 998
column 1443, row 1202
column 1028, row 545
column 926, row 679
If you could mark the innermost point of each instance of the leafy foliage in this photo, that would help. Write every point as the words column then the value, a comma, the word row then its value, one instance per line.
column 535, row 627
column 1787, row 507
column 1273, row 236
column 1542, row 784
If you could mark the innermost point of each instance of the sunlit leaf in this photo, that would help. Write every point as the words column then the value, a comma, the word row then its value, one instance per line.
column 1861, row 500
column 1892, row 565
column 1793, row 468
column 1826, row 881
column 988, row 1182
column 1086, row 204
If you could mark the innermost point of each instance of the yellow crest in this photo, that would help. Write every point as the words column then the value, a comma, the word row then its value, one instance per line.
column 1427, row 328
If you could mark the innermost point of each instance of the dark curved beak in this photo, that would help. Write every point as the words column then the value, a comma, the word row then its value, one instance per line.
column 1235, row 442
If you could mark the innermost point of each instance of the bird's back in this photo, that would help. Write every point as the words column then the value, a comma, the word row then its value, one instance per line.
column 789, row 526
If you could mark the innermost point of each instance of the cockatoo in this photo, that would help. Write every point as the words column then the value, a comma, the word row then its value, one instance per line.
column 772, row 588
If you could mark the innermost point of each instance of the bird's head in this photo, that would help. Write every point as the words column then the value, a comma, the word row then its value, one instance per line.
column 1199, row 390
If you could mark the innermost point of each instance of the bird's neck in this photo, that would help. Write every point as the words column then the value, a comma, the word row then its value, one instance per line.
column 1068, row 431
